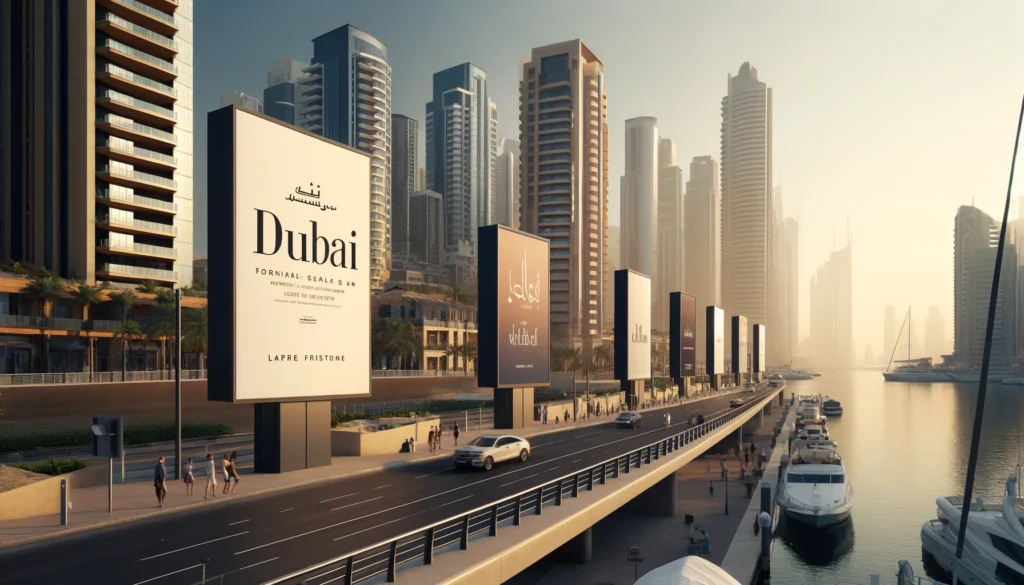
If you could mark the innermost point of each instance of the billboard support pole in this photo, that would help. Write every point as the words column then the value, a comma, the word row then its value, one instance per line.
column 177, row 386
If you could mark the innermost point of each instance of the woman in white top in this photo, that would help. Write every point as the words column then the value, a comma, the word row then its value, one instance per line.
column 225, row 467
column 190, row 479
column 211, row 477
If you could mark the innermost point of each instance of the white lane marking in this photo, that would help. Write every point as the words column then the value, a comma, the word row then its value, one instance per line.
column 628, row 438
column 239, row 522
column 380, row 487
column 552, row 469
column 193, row 546
column 577, row 461
column 337, row 498
column 368, row 529
column 435, row 473
column 286, row 510
column 356, row 504
column 257, row 564
column 586, row 435
column 518, row 480
column 546, row 444
column 453, row 502
column 169, row 574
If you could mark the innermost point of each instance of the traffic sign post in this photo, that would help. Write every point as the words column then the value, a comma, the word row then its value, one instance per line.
column 635, row 556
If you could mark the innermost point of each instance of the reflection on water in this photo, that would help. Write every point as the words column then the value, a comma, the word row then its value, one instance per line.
column 818, row 548
column 903, row 445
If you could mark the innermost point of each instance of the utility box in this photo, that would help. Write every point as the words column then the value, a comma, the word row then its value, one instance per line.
column 107, row 437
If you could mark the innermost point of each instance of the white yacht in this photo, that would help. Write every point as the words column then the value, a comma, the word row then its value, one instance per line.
column 815, row 489
column 798, row 375
column 832, row 408
column 994, row 543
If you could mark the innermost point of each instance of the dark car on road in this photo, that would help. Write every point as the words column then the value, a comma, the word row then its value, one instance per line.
column 736, row 403
column 629, row 420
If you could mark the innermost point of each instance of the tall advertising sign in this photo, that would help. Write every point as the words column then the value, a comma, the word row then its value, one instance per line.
column 739, row 344
column 715, row 340
column 759, row 342
column 682, row 335
column 632, row 325
column 290, row 238
column 514, row 341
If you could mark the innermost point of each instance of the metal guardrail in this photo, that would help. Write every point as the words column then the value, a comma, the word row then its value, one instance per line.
column 419, row 547
column 423, row 374
column 160, row 375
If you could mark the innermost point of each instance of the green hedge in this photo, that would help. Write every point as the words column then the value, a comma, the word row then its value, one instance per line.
column 134, row 434
column 53, row 466
column 341, row 417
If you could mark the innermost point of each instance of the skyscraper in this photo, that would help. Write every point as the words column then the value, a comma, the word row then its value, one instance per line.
column 777, row 282
column 639, row 197
column 614, row 258
column 889, row 333
column 746, row 194
column 974, row 231
column 563, row 123
column 242, row 100
column 404, row 145
column 792, row 259
column 279, row 95
column 668, row 273
column 345, row 95
column 702, row 220
column 426, row 234
column 979, row 293
column 832, row 310
column 506, row 184
column 96, row 139
column 461, row 141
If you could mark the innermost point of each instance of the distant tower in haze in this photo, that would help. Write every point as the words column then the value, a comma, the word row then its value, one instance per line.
column 934, row 334
column 404, row 144
column 670, row 267
column 639, row 196
column 974, row 233
column 832, row 311
column 792, row 284
column 279, row 95
column 702, row 221
column 506, row 184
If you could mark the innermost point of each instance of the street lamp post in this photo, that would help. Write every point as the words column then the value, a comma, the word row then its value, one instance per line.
column 727, row 486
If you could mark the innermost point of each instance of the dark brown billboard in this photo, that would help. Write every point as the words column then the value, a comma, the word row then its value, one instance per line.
column 682, row 335
column 514, row 314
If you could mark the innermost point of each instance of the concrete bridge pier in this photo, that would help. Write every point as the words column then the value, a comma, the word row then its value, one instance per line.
column 658, row 500
column 633, row 389
column 578, row 550
column 513, row 407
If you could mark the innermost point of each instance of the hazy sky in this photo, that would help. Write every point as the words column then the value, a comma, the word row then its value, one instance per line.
column 891, row 114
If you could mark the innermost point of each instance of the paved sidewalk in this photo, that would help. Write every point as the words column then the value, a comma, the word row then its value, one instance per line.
column 136, row 501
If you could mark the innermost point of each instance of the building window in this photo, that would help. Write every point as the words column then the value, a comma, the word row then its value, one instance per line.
column 530, row 109
column 531, row 73
column 532, row 85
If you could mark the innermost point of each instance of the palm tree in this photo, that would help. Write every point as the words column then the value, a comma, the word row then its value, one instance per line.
column 161, row 323
column 570, row 358
column 602, row 355
column 397, row 337
column 452, row 294
column 194, row 333
column 148, row 286
column 127, row 300
column 164, row 295
column 468, row 351
column 45, row 288
column 85, row 296
column 453, row 350
column 127, row 334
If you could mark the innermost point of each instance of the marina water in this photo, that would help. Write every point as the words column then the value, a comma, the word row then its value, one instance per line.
column 903, row 445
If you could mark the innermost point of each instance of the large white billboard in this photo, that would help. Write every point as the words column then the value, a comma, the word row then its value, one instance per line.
column 300, row 244
column 632, row 325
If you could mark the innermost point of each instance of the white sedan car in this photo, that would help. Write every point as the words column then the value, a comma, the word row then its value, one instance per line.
column 487, row 450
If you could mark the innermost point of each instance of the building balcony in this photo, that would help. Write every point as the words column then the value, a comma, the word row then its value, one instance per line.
column 138, row 109
column 134, row 84
column 136, row 60
column 125, row 272
column 125, row 128
column 137, row 179
column 136, row 227
column 137, row 155
column 135, row 202
column 134, row 35
column 137, row 249
column 310, row 108
column 162, row 5
column 149, row 17
column 31, row 322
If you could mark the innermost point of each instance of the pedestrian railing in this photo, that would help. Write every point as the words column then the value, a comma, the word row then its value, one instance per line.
column 419, row 547
column 158, row 375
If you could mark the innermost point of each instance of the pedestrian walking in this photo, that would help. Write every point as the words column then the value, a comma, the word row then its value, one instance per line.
column 711, row 488
column 455, row 433
column 225, row 465
column 440, row 431
column 430, row 439
column 412, row 445
column 544, row 418
column 566, row 417
column 160, row 481
column 211, row 477
column 235, row 477
column 190, row 479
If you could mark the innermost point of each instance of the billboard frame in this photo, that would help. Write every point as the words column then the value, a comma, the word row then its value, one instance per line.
column 759, row 364
column 710, row 343
column 675, row 337
column 739, row 332
column 620, row 342
column 221, row 385
column 488, row 372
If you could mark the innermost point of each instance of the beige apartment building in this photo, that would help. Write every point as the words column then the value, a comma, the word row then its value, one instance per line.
column 96, row 139
column 563, row 129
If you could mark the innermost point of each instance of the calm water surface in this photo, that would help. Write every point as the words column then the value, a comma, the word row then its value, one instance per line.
column 904, row 445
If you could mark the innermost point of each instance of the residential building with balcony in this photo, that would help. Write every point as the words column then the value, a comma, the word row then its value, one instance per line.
column 442, row 326
column 96, row 139
column 279, row 95
column 345, row 95
column 563, row 129
column 405, row 144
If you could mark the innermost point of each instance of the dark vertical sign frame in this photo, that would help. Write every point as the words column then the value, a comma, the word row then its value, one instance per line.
column 760, row 338
column 739, row 344
column 682, row 348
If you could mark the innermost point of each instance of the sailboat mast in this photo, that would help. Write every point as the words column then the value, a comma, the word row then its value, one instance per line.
column 910, row 330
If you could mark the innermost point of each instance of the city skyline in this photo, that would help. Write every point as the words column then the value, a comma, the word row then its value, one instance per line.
column 818, row 185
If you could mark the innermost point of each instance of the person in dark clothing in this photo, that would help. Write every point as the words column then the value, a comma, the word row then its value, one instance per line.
column 455, row 433
column 160, row 481
column 711, row 488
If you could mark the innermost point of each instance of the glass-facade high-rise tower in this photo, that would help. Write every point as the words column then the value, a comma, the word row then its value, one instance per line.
column 345, row 95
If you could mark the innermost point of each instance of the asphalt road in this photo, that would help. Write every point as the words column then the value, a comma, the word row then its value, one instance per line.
column 271, row 536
